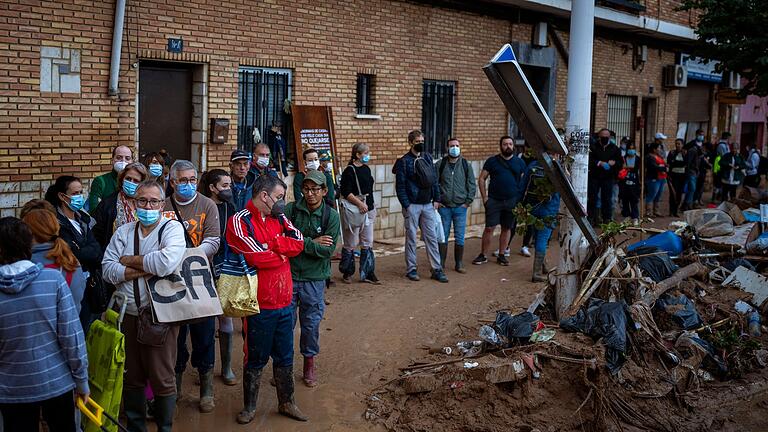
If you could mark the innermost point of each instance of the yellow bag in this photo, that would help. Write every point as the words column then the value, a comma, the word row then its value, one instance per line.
column 237, row 286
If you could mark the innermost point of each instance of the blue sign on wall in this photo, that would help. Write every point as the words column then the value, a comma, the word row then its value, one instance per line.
column 700, row 69
column 175, row 45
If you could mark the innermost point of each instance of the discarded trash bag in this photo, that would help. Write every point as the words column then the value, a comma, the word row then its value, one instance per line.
column 517, row 328
column 654, row 262
column 488, row 334
column 682, row 310
column 667, row 241
column 759, row 245
column 738, row 262
column 607, row 320
column 689, row 343
column 710, row 222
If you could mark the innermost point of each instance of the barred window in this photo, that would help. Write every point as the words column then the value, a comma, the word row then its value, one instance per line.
column 261, row 100
column 365, row 93
column 437, row 115
column 621, row 116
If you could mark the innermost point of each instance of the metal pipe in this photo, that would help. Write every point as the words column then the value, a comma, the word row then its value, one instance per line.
column 117, row 47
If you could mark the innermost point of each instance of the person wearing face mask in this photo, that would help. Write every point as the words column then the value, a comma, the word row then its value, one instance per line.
column 457, row 191
column 261, row 160
column 155, row 164
column 161, row 250
column 216, row 184
column 629, row 184
column 106, row 184
column 605, row 162
column 267, row 240
column 200, row 217
column 326, row 166
column 119, row 208
column 312, row 163
column 77, row 230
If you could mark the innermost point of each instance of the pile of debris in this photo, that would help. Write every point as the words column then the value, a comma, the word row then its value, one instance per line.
column 665, row 334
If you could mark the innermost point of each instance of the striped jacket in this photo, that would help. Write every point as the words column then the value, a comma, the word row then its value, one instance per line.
column 268, row 250
column 42, row 348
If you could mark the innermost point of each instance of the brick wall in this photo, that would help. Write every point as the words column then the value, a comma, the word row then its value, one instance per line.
column 46, row 134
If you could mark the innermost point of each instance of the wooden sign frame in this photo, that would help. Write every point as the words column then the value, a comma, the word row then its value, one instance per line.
column 312, row 127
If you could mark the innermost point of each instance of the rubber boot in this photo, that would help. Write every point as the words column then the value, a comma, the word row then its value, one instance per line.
column 347, row 265
column 179, row 378
column 165, row 406
column 286, row 404
column 251, row 383
column 538, row 266
column 310, row 376
column 135, row 406
column 206, row 392
column 443, row 248
column 225, row 350
column 458, row 255
column 368, row 266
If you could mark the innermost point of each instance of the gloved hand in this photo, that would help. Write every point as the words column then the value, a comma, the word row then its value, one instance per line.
column 606, row 166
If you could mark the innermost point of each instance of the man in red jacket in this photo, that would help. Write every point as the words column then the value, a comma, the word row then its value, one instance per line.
column 267, row 239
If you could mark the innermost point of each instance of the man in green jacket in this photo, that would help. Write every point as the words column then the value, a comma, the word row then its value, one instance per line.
column 319, row 224
column 106, row 184
column 457, row 191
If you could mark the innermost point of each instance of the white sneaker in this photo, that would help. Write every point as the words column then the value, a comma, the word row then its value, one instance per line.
column 496, row 253
column 506, row 252
column 525, row 252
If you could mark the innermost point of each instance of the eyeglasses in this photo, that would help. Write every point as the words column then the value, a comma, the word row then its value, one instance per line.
column 153, row 203
column 311, row 190
column 184, row 180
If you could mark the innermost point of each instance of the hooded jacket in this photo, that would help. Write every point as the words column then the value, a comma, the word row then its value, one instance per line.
column 42, row 347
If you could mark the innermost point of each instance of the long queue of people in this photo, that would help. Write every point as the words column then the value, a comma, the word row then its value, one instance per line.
column 59, row 265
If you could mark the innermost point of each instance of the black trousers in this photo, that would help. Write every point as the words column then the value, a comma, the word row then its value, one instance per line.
column 58, row 413
column 602, row 188
column 676, row 186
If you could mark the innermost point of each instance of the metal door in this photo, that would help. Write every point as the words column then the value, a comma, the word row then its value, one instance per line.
column 165, row 109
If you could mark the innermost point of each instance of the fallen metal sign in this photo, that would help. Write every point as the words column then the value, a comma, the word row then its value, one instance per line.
column 511, row 85
column 749, row 281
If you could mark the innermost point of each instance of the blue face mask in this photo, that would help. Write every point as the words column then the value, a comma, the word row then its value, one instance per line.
column 129, row 188
column 631, row 152
column 156, row 170
column 187, row 191
column 147, row 217
column 365, row 158
column 700, row 138
column 454, row 151
column 76, row 202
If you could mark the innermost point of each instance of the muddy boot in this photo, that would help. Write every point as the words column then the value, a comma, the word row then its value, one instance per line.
column 225, row 350
column 135, row 406
column 310, row 376
column 458, row 255
column 443, row 248
column 368, row 267
column 251, row 382
column 179, row 377
column 164, row 409
column 206, row 392
column 538, row 266
column 347, row 265
column 286, row 404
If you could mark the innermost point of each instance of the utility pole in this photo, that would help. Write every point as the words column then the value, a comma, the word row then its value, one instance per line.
column 573, row 246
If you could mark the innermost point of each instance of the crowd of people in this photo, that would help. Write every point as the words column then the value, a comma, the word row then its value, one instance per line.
column 59, row 263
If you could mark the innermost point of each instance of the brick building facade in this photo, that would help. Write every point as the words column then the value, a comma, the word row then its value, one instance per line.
column 56, row 116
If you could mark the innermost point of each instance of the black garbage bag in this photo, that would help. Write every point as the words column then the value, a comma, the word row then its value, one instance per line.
column 739, row 262
column 656, row 263
column 516, row 328
column 607, row 320
column 682, row 310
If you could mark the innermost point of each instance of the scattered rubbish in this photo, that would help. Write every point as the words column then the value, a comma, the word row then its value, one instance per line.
column 654, row 262
column 456, row 385
column 749, row 281
column 761, row 356
column 517, row 328
column 667, row 241
column 518, row 366
column 470, row 348
column 759, row 245
column 682, row 310
column 742, row 307
column 471, row 365
column 710, row 222
column 607, row 320
column 504, row 280
column 754, row 323
column 738, row 262
column 543, row 335
column 488, row 334
column 530, row 361
column 733, row 211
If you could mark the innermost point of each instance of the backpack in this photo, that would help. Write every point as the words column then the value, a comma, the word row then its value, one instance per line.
column 67, row 274
column 424, row 173
column 323, row 219
column 444, row 162
column 762, row 167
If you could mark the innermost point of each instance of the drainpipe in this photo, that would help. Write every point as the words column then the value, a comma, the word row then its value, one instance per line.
column 117, row 47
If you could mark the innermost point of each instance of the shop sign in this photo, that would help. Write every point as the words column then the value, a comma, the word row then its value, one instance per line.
column 698, row 70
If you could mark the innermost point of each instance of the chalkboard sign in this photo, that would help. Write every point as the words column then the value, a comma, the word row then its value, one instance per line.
column 313, row 128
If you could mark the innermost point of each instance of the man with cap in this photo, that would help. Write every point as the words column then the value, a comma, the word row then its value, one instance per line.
column 319, row 224
column 659, row 139
column 242, row 178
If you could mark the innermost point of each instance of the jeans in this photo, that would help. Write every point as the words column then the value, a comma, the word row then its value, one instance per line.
column 542, row 239
column 457, row 215
column 690, row 184
column 421, row 216
column 268, row 334
column 203, row 345
column 601, row 189
column 653, row 190
column 309, row 303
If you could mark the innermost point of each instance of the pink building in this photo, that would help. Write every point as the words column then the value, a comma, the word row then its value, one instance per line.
column 752, row 123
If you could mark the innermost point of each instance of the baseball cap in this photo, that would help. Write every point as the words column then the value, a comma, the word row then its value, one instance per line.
column 315, row 177
column 660, row 135
column 239, row 154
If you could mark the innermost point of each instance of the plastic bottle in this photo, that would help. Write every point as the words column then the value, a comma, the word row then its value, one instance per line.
column 754, row 323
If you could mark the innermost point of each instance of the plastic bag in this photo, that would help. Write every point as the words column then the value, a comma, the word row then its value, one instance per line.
column 607, row 320
column 710, row 222
column 654, row 262
column 517, row 328
column 682, row 310
column 439, row 230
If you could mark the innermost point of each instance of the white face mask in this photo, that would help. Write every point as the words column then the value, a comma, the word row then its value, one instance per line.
column 329, row 167
column 119, row 166
column 262, row 161
column 313, row 165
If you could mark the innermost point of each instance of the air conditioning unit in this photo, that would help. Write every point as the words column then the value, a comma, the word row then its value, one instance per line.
column 731, row 80
column 675, row 76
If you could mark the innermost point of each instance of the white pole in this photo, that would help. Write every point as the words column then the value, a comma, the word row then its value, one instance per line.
column 117, row 47
column 573, row 246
